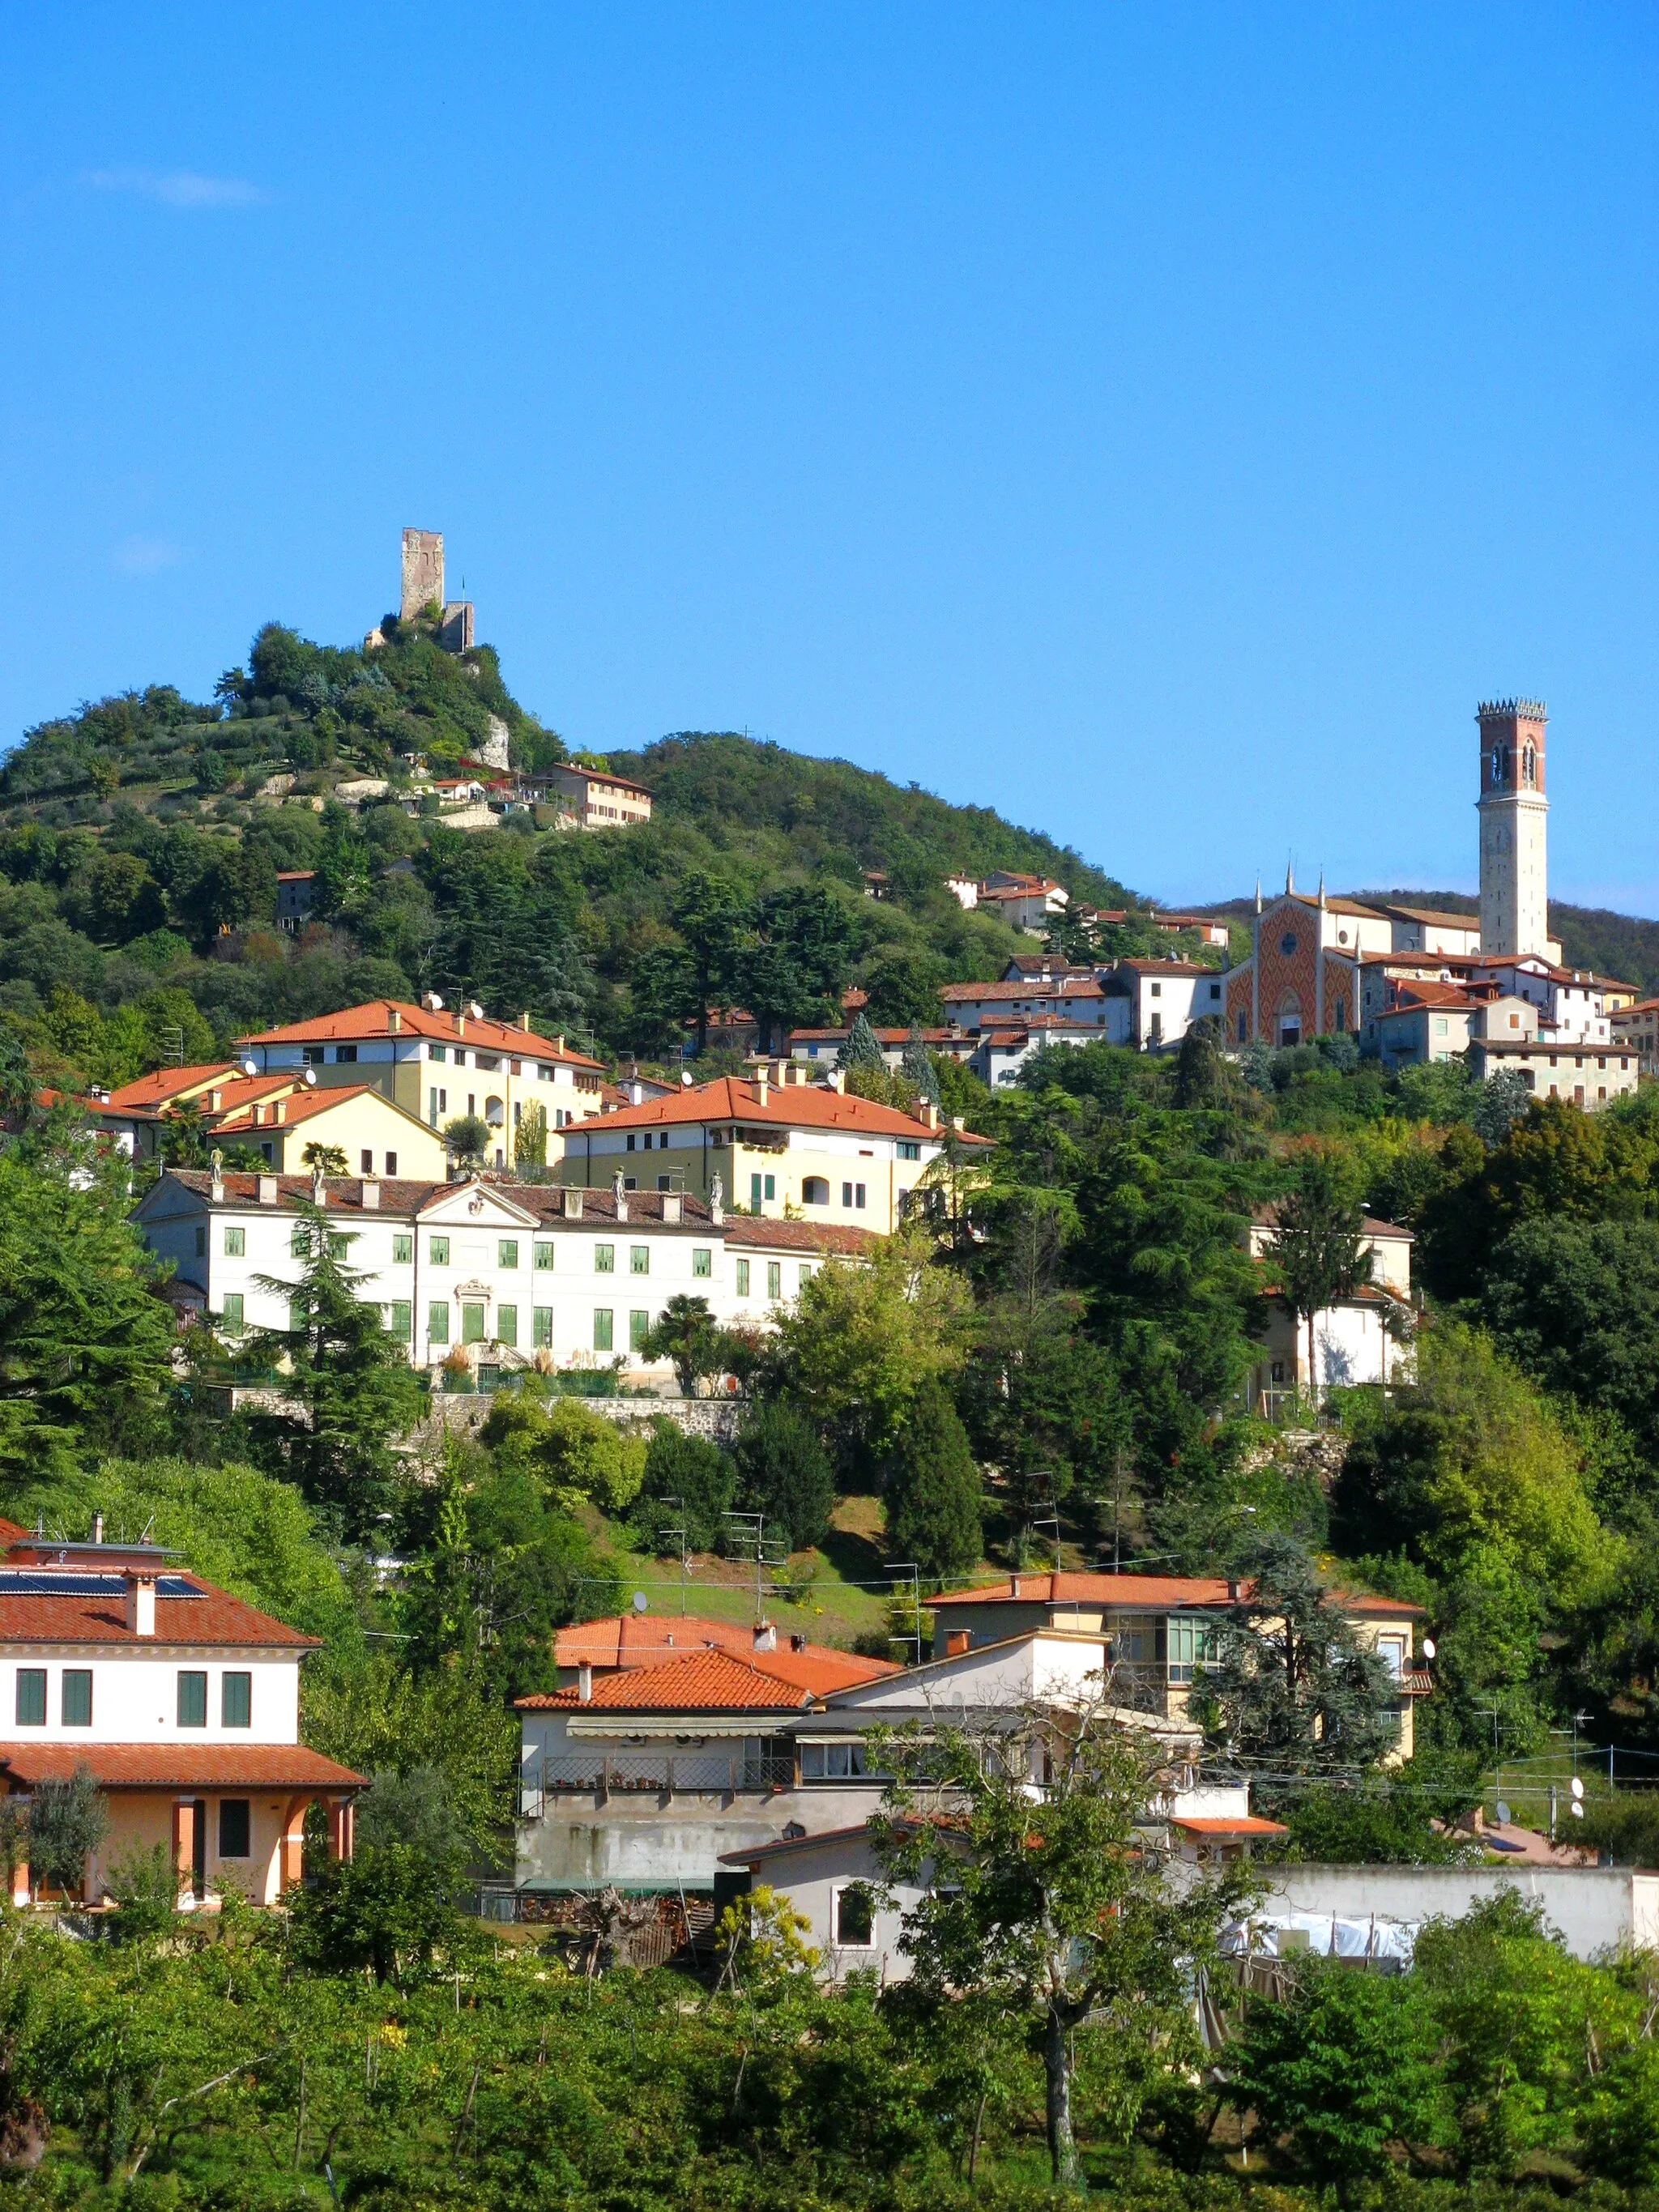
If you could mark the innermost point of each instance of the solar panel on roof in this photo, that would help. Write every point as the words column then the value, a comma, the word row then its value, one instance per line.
column 28, row 1581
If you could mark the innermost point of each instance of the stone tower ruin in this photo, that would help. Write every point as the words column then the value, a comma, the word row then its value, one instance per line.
column 423, row 572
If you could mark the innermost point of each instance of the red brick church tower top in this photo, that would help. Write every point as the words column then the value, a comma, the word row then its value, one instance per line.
column 1511, row 746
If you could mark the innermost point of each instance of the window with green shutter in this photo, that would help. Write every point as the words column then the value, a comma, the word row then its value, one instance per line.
column 472, row 1324
column 300, row 1243
column 506, row 1325
column 193, row 1698
column 638, row 1259
column 231, row 1319
column 603, row 1318
column 743, row 1278
column 605, row 1259
column 235, row 1699
column 439, row 1251
column 77, row 1697
column 31, row 1696
column 506, row 1252
column 702, row 1260
column 775, row 1279
column 437, row 1322
column 337, row 1244
column 638, row 1327
column 544, row 1256
column 235, row 1243
column 400, row 1320
column 542, row 1322
column 402, row 1251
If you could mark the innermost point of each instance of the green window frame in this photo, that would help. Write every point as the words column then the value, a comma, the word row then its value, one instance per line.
column 743, row 1278
column 235, row 1243
column 702, row 1260
column 543, row 1258
column 437, row 1322
column 603, row 1324
column 638, row 1327
column 299, row 1245
column 402, row 1251
column 506, row 1252
column 605, row 1259
column 1189, row 1645
column 337, row 1244
column 400, row 1320
column 193, row 1697
column 438, row 1251
column 230, row 1318
column 31, row 1696
column 75, row 1697
column 236, row 1699
column 775, row 1279
column 908, row 1150
column 472, row 1322
column 507, row 1326
column 541, row 1325
column 638, row 1259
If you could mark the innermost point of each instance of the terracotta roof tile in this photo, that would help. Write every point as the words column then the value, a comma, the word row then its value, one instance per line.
column 703, row 1681
column 210, row 1621
column 371, row 1020
column 843, row 1241
column 180, row 1765
column 791, row 1105
column 1238, row 1824
column 638, row 1639
column 1116, row 1590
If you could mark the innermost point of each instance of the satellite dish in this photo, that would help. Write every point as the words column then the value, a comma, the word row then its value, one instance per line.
column 1428, row 1647
column 1578, row 1789
column 311, row 1079
column 1504, row 1815
column 639, row 1601
column 250, row 1067
column 1576, row 1810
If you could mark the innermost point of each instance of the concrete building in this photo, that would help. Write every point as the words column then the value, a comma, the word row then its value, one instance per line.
column 769, row 1147
column 1031, row 903
column 182, row 1700
column 1152, row 1004
column 513, row 1274
column 1552, row 1069
column 439, row 1062
column 296, row 894
column 1076, row 995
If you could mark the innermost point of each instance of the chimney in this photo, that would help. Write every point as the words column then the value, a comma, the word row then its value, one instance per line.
column 798, row 1642
column 766, row 1637
column 671, row 1206
column 267, row 1190
column 573, row 1206
column 930, row 1113
column 215, row 1100
column 459, row 1018
column 955, row 1642
column 394, row 1020
column 1013, row 1585
column 523, row 1023
column 838, row 1080
column 558, row 1042
column 282, row 1110
column 97, row 1527
column 140, row 1601
column 371, row 1194
column 1235, row 1589
column 760, row 1089
column 584, row 1683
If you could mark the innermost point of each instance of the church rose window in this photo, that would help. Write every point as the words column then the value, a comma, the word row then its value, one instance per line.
column 1287, row 943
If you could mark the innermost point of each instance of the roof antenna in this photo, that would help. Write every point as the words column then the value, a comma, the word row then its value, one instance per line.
column 143, row 1534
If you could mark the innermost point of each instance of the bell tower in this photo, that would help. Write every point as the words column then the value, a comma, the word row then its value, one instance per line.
column 1514, row 877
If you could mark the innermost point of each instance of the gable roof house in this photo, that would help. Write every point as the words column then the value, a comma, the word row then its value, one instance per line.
column 1362, row 1339
column 438, row 1063
column 181, row 1700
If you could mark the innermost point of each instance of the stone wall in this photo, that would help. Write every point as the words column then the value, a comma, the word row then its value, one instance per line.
column 464, row 1412
column 423, row 572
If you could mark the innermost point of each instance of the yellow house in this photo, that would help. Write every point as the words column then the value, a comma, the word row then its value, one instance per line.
column 795, row 1150
column 374, row 1136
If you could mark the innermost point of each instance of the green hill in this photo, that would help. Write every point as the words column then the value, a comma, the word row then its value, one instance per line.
column 141, row 839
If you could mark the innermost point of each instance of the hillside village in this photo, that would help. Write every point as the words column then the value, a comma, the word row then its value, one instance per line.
column 614, row 1346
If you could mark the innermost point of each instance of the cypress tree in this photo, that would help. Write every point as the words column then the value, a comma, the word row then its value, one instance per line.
column 862, row 1048
column 932, row 1488
column 917, row 1069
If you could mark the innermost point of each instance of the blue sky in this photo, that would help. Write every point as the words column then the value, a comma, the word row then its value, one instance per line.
column 1163, row 425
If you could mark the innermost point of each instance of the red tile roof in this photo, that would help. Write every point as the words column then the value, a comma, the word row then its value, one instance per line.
column 307, row 1103
column 1036, row 986
column 630, row 1640
column 744, row 1231
column 790, row 1105
column 1238, row 1824
column 353, row 1023
column 166, row 1082
column 213, row 1620
column 703, row 1681
column 180, row 1765
column 404, row 1195
column 1116, row 1590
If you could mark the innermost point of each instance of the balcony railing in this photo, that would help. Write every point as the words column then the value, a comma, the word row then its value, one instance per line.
column 621, row 1773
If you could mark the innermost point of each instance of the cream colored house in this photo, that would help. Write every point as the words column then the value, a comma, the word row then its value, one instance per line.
column 598, row 800
column 439, row 1062
column 1360, row 1339
column 795, row 1149
column 1636, row 1029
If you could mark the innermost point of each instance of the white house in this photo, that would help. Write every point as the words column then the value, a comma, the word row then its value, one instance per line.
column 1360, row 1339
column 183, row 1702
column 512, row 1273
column 1152, row 1004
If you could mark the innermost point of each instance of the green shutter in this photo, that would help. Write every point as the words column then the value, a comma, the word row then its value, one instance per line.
column 472, row 1324
column 702, row 1260
column 602, row 1327
column 543, row 1255
column 437, row 1322
column 638, row 1259
column 507, row 1326
column 638, row 1327
column 400, row 1320
column 231, row 1319
column 542, row 1317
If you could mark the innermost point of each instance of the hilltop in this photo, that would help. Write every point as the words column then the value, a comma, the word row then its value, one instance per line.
column 141, row 839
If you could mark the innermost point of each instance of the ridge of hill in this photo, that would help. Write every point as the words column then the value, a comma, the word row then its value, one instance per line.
column 1623, row 947
column 141, row 839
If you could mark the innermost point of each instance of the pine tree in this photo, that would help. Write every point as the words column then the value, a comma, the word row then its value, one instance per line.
column 933, row 1489
column 862, row 1048
column 917, row 1068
